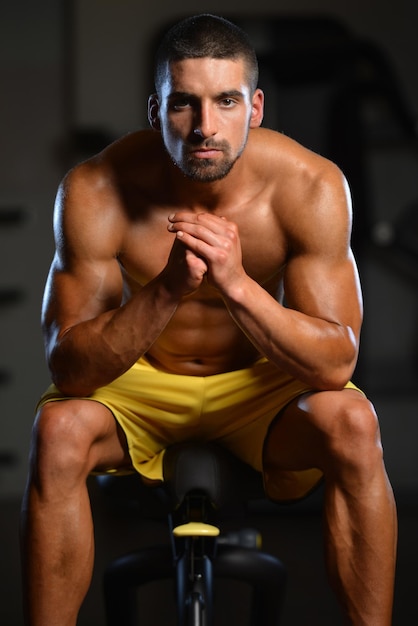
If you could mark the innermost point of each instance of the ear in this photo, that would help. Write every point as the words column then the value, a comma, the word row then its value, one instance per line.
column 153, row 109
column 257, row 111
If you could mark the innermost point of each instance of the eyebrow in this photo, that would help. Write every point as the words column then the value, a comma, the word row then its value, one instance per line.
column 232, row 93
column 229, row 93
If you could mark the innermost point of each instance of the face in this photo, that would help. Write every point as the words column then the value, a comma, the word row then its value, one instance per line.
column 204, row 113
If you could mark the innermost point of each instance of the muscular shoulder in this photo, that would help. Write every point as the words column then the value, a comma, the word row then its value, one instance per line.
column 309, row 193
column 284, row 160
column 95, row 200
column 110, row 173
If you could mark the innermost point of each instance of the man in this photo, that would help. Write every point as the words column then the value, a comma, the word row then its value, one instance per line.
column 163, row 321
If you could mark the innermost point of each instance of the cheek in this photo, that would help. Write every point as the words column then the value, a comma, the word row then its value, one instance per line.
column 173, row 132
column 172, row 142
column 241, row 139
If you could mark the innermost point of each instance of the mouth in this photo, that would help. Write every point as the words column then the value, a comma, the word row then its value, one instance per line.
column 206, row 153
column 207, row 149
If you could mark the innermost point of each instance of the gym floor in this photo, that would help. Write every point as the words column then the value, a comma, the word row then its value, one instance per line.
column 292, row 533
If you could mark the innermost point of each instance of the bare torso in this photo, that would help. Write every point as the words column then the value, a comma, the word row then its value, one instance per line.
column 115, row 247
column 201, row 338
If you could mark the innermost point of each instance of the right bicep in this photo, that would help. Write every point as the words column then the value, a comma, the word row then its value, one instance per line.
column 85, row 279
column 82, row 294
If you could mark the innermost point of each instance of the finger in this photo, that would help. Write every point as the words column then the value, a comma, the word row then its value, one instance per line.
column 201, row 240
column 213, row 222
column 196, row 262
column 216, row 252
column 214, row 232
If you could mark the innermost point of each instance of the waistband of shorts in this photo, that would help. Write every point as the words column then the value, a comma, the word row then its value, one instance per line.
column 143, row 362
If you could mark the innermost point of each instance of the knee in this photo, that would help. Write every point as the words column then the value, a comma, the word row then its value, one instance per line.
column 354, row 438
column 60, row 441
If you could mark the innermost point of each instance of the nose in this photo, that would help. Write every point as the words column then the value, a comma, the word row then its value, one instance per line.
column 205, row 122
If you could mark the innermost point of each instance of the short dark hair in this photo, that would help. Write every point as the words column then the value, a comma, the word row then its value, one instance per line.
column 201, row 36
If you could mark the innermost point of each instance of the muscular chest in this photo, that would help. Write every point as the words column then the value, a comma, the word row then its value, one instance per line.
column 147, row 247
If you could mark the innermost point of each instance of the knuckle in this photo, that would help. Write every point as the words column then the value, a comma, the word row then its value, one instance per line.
column 222, row 256
column 227, row 245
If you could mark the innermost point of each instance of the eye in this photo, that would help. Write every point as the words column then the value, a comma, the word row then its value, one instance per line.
column 180, row 103
column 227, row 102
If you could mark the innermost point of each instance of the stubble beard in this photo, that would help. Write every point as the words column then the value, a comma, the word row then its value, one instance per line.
column 207, row 170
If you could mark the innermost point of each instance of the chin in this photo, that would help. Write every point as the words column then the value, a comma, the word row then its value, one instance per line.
column 207, row 172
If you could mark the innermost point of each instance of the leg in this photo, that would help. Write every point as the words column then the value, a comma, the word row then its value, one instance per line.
column 70, row 439
column 338, row 433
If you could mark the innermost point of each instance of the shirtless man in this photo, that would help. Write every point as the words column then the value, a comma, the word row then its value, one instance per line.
column 173, row 247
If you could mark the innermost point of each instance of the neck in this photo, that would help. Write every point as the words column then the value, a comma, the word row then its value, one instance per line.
column 205, row 195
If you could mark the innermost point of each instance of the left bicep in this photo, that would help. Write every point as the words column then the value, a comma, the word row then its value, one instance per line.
column 325, row 287
column 321, row 277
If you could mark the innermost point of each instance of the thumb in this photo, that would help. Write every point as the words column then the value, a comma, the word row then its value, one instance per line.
column 196, row 264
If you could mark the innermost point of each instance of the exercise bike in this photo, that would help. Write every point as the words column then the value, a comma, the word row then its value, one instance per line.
column 203, row 484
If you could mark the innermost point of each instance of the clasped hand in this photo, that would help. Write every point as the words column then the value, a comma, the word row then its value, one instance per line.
column 205, row 245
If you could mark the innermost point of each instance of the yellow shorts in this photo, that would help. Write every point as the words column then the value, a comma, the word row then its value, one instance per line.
column 156, row 409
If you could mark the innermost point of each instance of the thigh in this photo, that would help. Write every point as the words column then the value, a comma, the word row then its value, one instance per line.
column 303, row 435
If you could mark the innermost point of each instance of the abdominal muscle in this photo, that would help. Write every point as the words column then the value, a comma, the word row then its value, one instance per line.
column 202, row 340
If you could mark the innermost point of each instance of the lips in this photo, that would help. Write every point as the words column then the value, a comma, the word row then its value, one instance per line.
column 206, row 153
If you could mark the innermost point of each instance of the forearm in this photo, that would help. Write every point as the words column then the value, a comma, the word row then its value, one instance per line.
column 93, row 353
column 316, row 351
